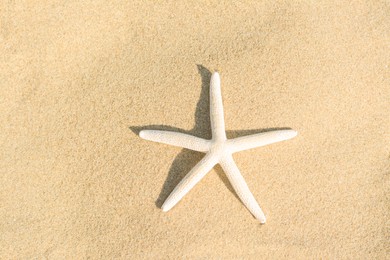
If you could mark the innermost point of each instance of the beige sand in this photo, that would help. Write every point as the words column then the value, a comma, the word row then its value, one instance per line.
column 79, row 80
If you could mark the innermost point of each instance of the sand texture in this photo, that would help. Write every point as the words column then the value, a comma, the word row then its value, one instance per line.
column 80, row 79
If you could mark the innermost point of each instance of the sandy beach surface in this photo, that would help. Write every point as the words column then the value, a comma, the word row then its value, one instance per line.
column 80, row 79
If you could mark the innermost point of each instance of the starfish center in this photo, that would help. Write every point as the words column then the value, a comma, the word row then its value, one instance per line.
column 219, row 149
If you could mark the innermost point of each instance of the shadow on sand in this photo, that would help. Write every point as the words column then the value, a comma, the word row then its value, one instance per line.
column 187, row 159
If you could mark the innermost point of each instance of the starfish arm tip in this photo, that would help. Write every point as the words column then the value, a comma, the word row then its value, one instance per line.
column 292, row 133
column 216, row 80
column 259, row 215
column 142, row 134
column 285, row 134
column 164, row 208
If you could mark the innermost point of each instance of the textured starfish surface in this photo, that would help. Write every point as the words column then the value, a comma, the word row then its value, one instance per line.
column 218, row 150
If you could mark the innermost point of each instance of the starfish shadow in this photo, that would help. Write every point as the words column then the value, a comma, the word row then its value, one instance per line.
column 187, row 159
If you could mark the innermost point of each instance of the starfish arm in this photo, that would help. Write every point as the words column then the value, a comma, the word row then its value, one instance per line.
column 261, row 139
column 216, row 108
column 189, row 181
column 241, row 188
column 176, row 139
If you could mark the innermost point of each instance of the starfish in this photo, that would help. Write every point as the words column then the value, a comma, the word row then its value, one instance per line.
column 218, row 150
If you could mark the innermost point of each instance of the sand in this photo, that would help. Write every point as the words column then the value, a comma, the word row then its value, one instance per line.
column 80, row 79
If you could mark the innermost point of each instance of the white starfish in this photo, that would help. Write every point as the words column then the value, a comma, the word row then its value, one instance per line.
column 218, row 150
